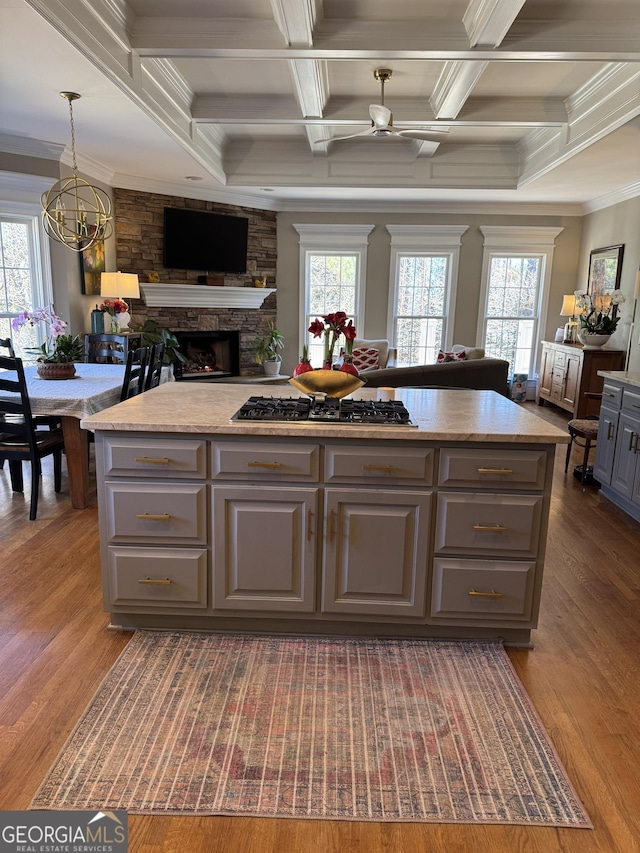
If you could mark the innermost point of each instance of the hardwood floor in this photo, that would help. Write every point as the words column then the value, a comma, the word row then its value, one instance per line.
column 582, row 675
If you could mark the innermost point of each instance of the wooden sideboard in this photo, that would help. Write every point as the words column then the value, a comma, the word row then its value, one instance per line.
column 569, row 376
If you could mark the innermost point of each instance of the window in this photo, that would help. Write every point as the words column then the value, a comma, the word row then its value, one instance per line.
column 21, row 273
column 332, row 275
column 424, row 271
column 515, row 278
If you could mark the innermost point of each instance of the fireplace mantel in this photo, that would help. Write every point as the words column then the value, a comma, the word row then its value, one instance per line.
column 166, row 295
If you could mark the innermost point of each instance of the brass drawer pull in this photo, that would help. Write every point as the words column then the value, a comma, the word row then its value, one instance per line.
column 309, row 528
column 155, row 460
column 156, row 581
column 635, row 406
column 264, row 464
column 149, row 516
column 495, row 528
column 493, row 594
column 495, row 470
column 385, row 468
column 608, row 394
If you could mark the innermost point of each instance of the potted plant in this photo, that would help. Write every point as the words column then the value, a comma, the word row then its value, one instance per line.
column 152, row 334
column 56, row 356
column 266, row 348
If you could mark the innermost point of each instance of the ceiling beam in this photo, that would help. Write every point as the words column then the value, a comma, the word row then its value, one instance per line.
column 488, row 21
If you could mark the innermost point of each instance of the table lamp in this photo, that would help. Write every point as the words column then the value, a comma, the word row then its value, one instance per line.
column 123, row 285
column 569, row 310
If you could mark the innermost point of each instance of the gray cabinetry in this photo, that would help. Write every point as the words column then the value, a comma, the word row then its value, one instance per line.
column 617, row 461
column 376, row 546
column 402, row 537
column 264, row 548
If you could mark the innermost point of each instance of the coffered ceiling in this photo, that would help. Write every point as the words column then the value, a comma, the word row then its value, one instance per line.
column 236, row 99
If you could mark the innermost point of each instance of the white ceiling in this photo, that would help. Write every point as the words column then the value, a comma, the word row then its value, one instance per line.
column 541, row 98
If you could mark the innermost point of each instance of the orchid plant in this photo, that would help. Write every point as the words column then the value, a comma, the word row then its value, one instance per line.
column 58, row 347
column 596, row 313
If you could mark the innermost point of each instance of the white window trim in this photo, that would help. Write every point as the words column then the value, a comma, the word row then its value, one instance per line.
column 420, row 240
column 519, row 240
column 29, row 213
column 351, row 239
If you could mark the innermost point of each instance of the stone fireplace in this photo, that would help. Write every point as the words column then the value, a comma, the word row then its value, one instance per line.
column 139, row 249
column 210, row 355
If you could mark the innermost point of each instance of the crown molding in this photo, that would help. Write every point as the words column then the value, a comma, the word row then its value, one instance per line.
column 28, row 147
column 616, row 197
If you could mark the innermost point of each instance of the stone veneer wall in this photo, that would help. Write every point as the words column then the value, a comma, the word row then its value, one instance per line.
column 139, row 235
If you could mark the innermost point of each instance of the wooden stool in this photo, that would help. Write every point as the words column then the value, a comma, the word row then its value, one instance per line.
column 586, row 429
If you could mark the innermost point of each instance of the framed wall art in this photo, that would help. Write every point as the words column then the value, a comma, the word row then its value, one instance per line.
column 605, row 268
column 92, row 265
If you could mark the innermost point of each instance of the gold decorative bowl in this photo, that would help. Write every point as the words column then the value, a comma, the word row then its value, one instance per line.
column 333, row 383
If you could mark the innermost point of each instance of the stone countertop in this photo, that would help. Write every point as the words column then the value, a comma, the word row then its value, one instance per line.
column 440, row 414
column 629, row 376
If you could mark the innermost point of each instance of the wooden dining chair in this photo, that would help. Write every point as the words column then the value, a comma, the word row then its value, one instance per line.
column 105, row 349
column 20, row 441
column 134, row 373
column 154, row 367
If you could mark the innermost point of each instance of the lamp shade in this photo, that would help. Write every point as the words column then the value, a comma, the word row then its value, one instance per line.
column 568, row 306
column 122, row 284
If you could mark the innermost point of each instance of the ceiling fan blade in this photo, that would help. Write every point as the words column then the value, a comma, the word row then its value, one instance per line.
column 426, row 135
column 380, row 116
column 366, row 132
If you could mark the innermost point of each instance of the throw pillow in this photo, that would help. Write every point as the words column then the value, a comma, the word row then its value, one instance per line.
column 470, row 352
column 366, row 358
column 381, row 344
column 444, row 357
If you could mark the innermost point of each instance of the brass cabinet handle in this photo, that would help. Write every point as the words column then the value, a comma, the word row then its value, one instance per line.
column 493, row 594
column 149, row 516
column 386, row 468
column 156, row 581
column 309, row 520
column 155, row 460
column 632, row 435
column 608, row 394
column 491, row 528
column 635, row 406
column 332, row 523
column 610, row 431
column 495, row 470
column 264, row 464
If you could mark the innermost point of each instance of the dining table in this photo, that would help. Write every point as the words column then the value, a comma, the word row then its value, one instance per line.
column 93, row 388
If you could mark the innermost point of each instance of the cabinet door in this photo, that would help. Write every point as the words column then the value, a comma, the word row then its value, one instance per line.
column 626, row 455
column 375, row 552
column 264, row 547
column 606, row 444
column 546, row 372
column 572, row 367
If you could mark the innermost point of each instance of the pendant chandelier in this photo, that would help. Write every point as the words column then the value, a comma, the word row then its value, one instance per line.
column 74, row 212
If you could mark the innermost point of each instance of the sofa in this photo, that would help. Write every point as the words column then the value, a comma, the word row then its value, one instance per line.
column 479, row 373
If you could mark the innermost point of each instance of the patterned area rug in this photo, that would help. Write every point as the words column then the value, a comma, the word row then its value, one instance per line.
column 354, row 729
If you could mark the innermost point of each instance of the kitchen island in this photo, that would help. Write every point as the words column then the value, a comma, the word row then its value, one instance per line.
column 432, row 530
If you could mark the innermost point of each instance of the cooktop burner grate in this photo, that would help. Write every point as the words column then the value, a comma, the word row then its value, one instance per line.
column 325, row 410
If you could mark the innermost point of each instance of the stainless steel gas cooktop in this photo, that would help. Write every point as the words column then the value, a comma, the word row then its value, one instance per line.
column 325, row 410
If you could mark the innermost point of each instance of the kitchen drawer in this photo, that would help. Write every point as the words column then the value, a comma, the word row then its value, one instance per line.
column 482, row 589
column 156, row 512
column 502, row 469
column 611, row 395
column 348, row 464
column 157, row 577
column 264, row 460
column 631, row 402
column 141, row 456
column 560, row 359
column 480, row 524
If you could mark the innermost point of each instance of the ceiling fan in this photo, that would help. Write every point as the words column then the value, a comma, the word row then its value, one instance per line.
column 382, row 120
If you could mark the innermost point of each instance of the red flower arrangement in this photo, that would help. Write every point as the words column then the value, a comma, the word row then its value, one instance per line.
column 332, row 326
column 114, row 306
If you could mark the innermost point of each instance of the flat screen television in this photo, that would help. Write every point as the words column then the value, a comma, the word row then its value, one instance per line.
column 200, row 240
